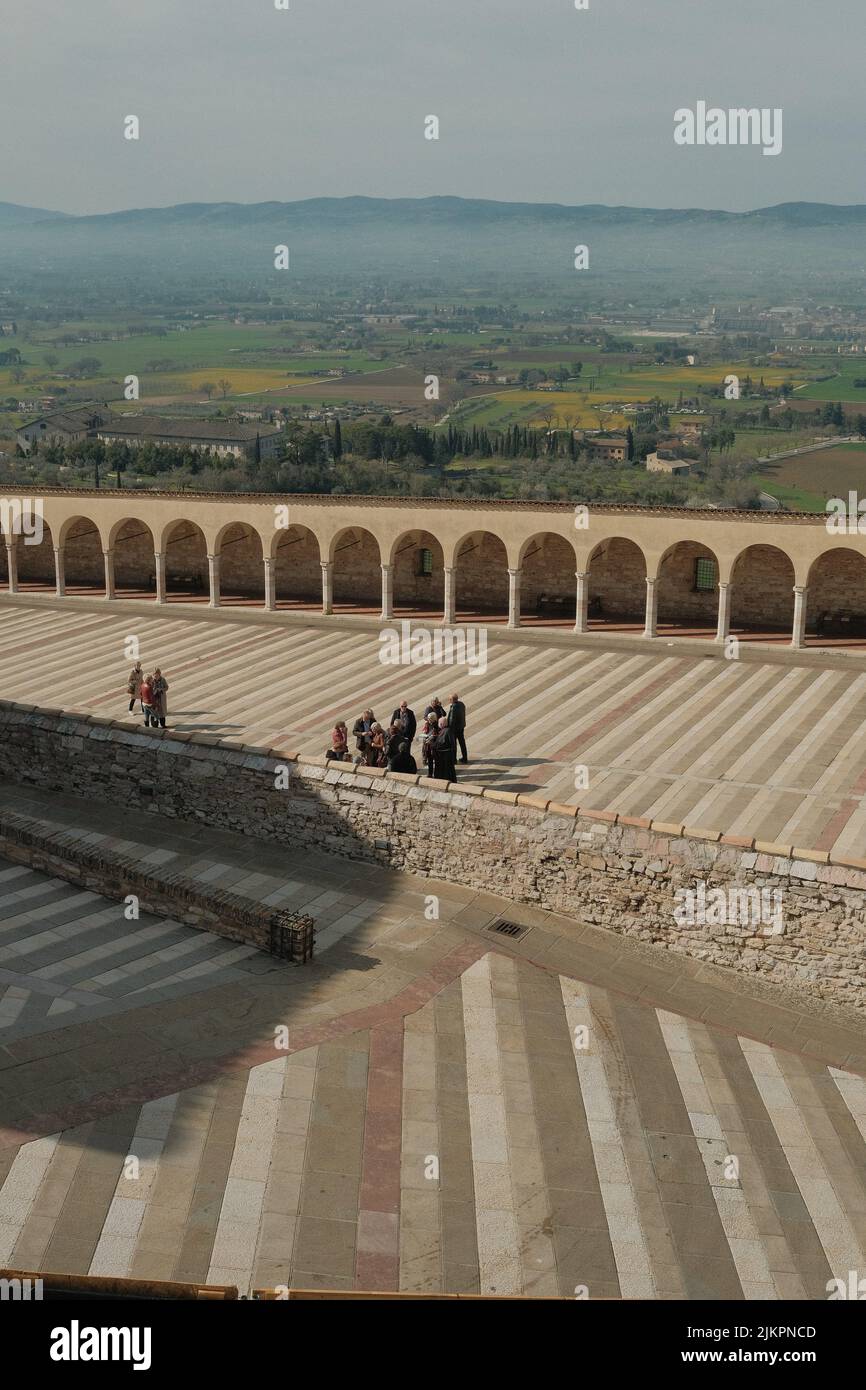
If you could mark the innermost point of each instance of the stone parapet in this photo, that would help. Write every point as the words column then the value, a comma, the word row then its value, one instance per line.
column 622, row 873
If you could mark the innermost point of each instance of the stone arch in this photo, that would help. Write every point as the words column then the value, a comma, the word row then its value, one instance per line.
column 241, row 568
column 36, row 568
column 836, row 598
column 132, row 545
column 83, row 560
column 762, row 589
column 688, row 588
column 357, row 569
column 297, row 568
column 417, row 574
column 481, row 577
column 186, row 569
column 548, row 593
column 616, row 586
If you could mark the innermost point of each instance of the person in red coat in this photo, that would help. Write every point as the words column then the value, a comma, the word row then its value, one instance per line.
column 146, row 697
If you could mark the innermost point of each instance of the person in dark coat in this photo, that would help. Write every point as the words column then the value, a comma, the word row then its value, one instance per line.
column 393, row 738
column 435, row 709
column 405, row 717
column 402, row 760
column 457, row 724
column 444, row 766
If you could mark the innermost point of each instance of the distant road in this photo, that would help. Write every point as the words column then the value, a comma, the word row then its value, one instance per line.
column 810, row 448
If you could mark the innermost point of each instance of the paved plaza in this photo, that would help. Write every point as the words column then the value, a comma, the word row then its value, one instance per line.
column 771, row 748
column 428, row 1106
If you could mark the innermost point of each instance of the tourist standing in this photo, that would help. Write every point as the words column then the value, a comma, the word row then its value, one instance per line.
column 428, row 738
column 435, row 708
column 133, row 685
column 444, row 753
column 159, row 698
column 361, row 731
column 405, row 717
column 457, row 725
column 146, row 697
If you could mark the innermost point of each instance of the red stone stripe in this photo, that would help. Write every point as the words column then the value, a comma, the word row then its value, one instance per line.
column 377, row 1258
column 613, row 716
column 180, row 1078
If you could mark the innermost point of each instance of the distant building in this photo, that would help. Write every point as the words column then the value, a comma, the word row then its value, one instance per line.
column 63, row 427
column 605, row 448
column 226, row 438
column 666, row 461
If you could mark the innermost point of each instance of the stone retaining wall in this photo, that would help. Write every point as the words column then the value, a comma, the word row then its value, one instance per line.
column 618, row 872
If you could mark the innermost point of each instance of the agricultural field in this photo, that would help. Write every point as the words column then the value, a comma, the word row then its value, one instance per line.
column 585, row 402
column 840, row 385
column 806, row 482
column 254, row 358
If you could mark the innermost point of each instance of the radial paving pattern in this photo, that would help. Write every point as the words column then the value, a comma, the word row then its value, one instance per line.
column 521, row 1132
column 775, row 751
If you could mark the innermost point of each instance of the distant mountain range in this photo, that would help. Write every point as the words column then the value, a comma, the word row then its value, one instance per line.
column 414, row 210
column 462, row 246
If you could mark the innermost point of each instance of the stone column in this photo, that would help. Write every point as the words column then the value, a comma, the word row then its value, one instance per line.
column 514, row 597
column 387, row 593
column 59, row 571
column 581, row 623
column 270, row 583
column 159, row 570
column 724, row 626
column 449, row 615
column 213, row 578
column 12, row 566
column 327, row 585
column 108, row 557
column 798, row 636
column 652, row 604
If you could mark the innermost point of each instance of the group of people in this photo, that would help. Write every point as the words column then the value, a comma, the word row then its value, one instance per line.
column 442, row 733
column 152, row 693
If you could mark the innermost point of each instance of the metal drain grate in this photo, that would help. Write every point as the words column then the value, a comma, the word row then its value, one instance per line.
column 512, row 929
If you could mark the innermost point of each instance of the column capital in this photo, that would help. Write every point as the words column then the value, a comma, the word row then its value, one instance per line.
column 801, row 588
column 267, row 561
column 651, row 579
column 513, row 573
column 724, row 584
column 581, row 574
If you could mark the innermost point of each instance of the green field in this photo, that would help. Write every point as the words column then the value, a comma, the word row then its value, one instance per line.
column 806, row 482
column 840, row 385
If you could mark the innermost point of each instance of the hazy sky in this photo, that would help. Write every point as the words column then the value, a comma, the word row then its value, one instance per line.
column 537, row 101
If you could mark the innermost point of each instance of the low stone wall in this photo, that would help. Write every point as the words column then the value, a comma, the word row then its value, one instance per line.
column 622, row 873
column 27, row 840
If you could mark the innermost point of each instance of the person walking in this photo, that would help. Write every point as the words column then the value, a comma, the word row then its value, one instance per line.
column 146, row 697
column 133, row 685
column 457, row 725
column 159, row 698
column 405, row 717
column 444, row 767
